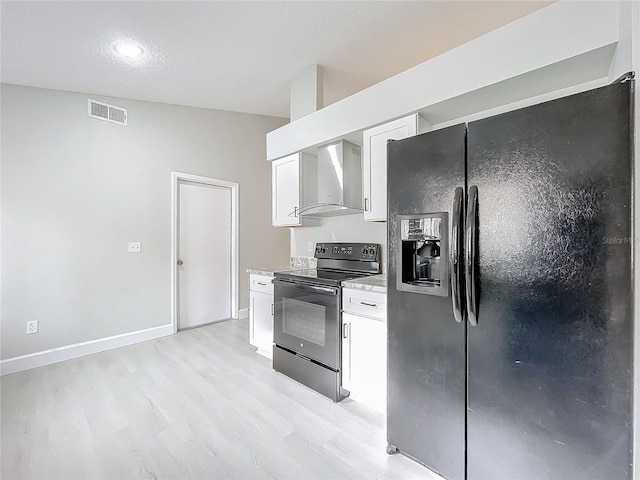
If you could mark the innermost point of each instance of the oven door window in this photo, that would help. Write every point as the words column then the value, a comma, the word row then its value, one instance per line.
column 304, row 320
column 307, row 321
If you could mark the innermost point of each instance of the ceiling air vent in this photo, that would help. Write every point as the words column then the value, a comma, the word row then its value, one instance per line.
column 107, row 112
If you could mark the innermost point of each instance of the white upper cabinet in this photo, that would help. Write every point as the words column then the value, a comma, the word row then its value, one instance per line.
column 294, row 185
column 374, row 162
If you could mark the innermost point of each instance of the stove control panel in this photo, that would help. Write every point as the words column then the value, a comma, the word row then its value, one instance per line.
column 369, row 252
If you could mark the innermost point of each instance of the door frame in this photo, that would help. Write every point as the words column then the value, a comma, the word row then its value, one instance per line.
column 177, row 177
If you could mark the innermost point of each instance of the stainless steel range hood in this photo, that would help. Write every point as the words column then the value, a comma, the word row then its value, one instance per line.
column 339, row 181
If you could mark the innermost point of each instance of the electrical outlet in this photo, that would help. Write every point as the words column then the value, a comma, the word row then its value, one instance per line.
column 310, row 246
column 32, row 327
column 135, row 247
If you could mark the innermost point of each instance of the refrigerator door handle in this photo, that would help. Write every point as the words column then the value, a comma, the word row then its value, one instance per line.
column 470, row 256
column 455, row 262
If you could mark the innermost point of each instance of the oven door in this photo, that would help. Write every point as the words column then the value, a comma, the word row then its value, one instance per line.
column 307, row 320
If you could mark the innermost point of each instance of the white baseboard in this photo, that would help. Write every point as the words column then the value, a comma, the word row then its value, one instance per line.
column 243, row 313
column 60, row 354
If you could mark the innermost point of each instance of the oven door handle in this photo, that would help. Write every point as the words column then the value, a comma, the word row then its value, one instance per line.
column 306, row 287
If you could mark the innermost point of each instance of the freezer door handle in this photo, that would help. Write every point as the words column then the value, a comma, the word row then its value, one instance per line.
column 471, row 245
column 455, row 262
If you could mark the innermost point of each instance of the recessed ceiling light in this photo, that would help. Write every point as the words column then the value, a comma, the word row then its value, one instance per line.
column 127, row 50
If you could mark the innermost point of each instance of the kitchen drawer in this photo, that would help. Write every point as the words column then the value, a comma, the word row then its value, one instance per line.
column 364, row 302
column 261, row 283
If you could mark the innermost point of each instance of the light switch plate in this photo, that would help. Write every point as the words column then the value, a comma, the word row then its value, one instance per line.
column 135, row 247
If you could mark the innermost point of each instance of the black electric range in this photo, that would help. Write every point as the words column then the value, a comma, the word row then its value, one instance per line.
column 307, row 318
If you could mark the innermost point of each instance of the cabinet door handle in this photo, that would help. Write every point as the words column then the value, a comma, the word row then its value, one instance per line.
column 272, row 308
column 369, row 304
column 345, row 330
column 295, row 211
column 366, row 204
column 261, row 283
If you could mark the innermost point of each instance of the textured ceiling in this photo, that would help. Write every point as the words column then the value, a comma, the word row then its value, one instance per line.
column 239, row 55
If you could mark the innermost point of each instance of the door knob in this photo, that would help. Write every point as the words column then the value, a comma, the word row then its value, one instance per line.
column 180, row 262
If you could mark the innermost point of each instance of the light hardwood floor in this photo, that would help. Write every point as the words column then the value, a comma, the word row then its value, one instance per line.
column 199, row 404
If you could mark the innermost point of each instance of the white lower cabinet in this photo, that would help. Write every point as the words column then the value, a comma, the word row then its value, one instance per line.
column 261, row 314
column 364, row 347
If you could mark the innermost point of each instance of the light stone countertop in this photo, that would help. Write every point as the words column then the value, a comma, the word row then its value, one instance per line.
column 269, row 271
column 374, row 283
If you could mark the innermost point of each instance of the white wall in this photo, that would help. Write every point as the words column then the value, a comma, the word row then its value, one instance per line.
column 75, row 190
column 565, row 43
column 348, row 228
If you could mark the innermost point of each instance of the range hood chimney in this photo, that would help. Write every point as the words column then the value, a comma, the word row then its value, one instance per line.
column 339, row 181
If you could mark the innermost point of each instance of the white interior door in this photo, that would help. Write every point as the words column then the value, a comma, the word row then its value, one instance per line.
column 204, row 254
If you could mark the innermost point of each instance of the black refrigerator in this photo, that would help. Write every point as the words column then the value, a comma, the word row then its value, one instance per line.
column 510, row 322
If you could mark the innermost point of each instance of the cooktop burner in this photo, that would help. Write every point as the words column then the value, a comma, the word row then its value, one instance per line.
column 323, row 276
